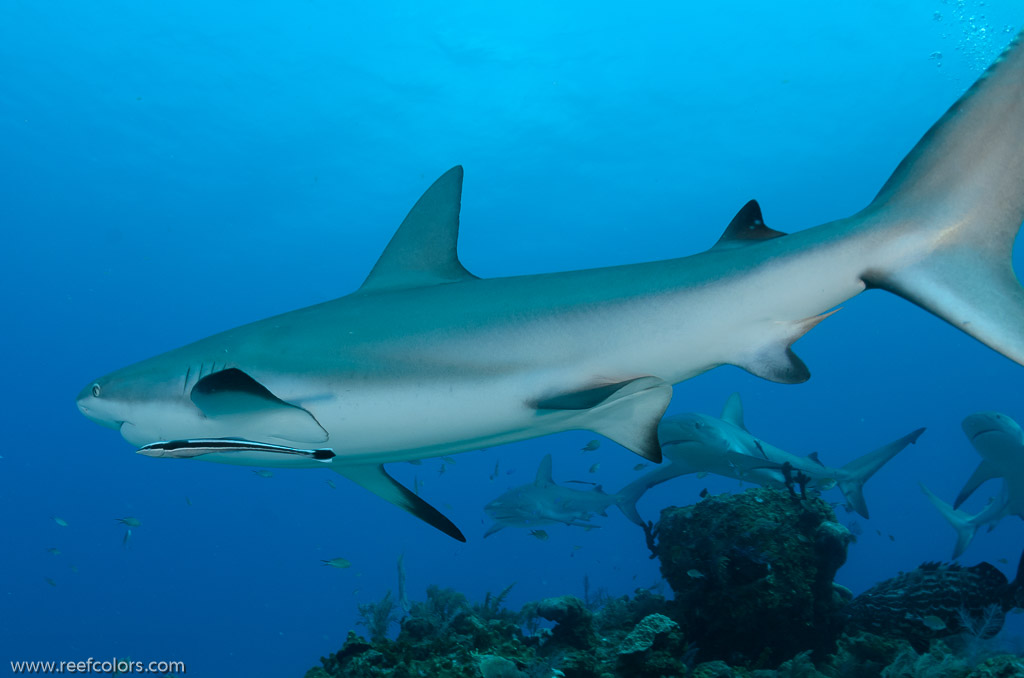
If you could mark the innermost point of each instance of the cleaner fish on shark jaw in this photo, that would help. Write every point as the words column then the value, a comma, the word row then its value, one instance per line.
column 481, row 362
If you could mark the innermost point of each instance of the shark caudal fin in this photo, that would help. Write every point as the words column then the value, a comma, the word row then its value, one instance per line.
column 960, row 520
column 852, row 476
column 955, row 205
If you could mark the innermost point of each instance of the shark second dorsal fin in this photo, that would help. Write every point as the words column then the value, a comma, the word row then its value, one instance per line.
column 423, row 250
column 986, row 471
column 746, row 228
column 544, row 477
column 732, row 412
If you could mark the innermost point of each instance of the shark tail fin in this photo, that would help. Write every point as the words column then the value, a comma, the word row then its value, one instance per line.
column 960, row 520
column 852, row 476
column 626, row 500
column 958, row 200
column 374, row 478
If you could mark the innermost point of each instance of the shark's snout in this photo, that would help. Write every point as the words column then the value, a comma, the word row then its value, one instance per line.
column 91, row 404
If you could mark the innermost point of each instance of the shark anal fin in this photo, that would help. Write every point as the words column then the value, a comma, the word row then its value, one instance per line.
column 374, row 478
column 776, row 361
column 233, row 394
column 627, row 412
column 423, row 250
column 986, row 471
column 746, row 228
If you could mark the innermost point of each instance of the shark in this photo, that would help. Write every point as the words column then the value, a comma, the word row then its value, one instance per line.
column 1000, row 442
column 475, row 362
column 544, row 502
column 699, row 443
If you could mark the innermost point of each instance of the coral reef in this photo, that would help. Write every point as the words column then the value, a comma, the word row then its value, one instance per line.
column 752, row 574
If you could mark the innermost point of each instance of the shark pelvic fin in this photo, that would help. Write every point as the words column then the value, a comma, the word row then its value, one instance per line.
column 544, row 477
column 746, row 228
column 423, row 250
column 986, row 471
column 775, row 361
column 232, row 393
column 374, row 478
column 627, row 412
column 732, row 412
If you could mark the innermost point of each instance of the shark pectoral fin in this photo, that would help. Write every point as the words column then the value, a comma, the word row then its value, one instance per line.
column 733, row 411
column 986, row 471
column 746, row 228
column 775, row 361
column 374, row 478
column 627, row 412
column 232, row 393
column 423, row 250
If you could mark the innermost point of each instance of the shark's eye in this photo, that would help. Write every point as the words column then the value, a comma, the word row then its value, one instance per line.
column 95, row 390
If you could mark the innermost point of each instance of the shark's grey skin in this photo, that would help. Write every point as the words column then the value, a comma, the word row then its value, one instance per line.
column 472, row 362
column 1000, row 442
column 544, row 502
column 698, row 443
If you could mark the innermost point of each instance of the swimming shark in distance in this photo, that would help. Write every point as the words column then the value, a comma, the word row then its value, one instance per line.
column 1000, row 442
column 544, row 502
column 470, row 362
column 698, row 443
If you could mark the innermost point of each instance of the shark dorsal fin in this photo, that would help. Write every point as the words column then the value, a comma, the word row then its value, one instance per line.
column 544, row 477
column 746, row 228
column 732, row 412
column 423, row 250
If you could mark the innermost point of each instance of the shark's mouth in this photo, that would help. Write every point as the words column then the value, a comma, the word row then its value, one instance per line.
column 983, row 432
column 665, row 443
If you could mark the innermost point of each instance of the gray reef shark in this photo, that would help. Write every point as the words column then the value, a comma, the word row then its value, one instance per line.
column 544, row 502
column 1000, row 442
column 698, row 443
column 467, row 362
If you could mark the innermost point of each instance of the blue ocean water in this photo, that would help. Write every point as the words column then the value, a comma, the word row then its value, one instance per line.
column 174, row 170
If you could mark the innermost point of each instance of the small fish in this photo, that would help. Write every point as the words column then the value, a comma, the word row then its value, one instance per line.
column 339, row 563
column 188, row 501
column 892, row 538
column 50, row 581
column 74, row 568
column 129, row 521
column 640, row 467
column 695, row 574
column 495, row 474
column 330, row 483
column 440, row 471
column 591, row 446
column 416, row 462
column 53, row 551
column 933, row 622
column 448, row 460
column 1004, row 561
column 263, row 473
column 539, row 534
column 704, row 493
column 127, row 538
column 60, row 521
column 595, row 467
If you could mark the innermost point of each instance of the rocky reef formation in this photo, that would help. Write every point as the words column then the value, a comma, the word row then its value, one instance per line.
column 754, row 598
column 752, row 574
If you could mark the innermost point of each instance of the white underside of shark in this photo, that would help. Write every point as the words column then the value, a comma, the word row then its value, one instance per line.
column 464, row 362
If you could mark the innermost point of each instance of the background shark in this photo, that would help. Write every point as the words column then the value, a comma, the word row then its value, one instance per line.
column 698, row 443
column 1000, row 442
column 481, row 362
column 544, row 502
